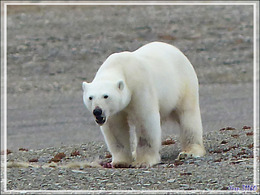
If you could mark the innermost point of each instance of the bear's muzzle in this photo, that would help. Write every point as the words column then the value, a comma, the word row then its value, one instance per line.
column 100, row 119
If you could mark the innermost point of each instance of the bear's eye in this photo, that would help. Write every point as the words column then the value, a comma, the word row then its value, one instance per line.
column 90, row 98
column 105, row 96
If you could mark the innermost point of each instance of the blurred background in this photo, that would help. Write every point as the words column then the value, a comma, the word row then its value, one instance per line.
column 52, row 49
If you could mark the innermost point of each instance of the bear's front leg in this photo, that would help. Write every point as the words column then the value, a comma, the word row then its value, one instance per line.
column 117, row 137
column 148, row 132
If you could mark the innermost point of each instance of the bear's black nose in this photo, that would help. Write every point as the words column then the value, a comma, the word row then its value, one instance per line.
column 97, row 112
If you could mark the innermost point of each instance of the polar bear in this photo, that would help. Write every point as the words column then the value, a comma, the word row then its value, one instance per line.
column 143, row 88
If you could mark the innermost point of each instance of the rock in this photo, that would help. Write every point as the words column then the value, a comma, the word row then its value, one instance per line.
column 171, row 180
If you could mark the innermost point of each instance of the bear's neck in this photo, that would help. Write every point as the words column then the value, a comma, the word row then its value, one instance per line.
column 112, row 75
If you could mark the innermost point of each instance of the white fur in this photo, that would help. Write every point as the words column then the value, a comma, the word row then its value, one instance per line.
column 144, row 87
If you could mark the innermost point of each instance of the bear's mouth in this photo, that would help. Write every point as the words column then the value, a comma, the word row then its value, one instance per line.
column 100, row 120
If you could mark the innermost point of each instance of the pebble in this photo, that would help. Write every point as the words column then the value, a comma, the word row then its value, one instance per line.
column 171, row 180
column 77, row 171
column 184, row 185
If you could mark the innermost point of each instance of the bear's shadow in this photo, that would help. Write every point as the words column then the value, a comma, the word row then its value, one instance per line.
column 169, row 156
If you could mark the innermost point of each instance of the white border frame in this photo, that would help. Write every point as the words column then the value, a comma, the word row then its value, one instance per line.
column 4, row 4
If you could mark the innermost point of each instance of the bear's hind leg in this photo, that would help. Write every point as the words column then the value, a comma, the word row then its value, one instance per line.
column 191, row 133
column 117, row 137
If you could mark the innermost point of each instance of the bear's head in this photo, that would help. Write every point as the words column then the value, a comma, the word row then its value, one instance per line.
column 105, row 98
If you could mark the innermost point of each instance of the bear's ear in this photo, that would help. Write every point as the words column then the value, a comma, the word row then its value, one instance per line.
column 120, row 85
column 84, row 86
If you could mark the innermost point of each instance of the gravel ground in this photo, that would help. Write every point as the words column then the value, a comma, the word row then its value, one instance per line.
column 67, row 44
column 228, row 162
